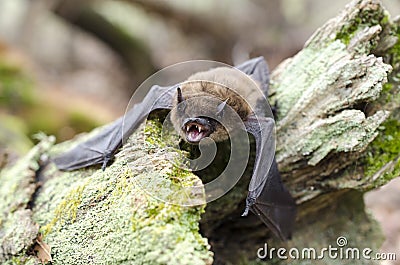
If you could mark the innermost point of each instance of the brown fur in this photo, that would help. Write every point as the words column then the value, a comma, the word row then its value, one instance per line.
column 222, row 84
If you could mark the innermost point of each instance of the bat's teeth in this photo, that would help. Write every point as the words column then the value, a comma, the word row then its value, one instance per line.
column 187, row 128
column 199, row 129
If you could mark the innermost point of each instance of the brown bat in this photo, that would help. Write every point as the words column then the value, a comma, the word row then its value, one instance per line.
column 211, row 92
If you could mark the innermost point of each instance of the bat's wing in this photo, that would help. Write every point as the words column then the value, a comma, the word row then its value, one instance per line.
column 267, row 197
column 257, row 69
column 275, row 206
column 95, row 150
column 100, row 148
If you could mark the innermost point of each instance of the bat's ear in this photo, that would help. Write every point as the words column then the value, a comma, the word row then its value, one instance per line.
column 220, row 109
column 180, row 97
column 181, row 100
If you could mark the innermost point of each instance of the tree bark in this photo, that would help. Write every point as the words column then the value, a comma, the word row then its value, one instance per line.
column 338, row 135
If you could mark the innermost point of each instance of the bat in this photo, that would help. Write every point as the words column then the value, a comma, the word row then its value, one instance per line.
column 267, row 196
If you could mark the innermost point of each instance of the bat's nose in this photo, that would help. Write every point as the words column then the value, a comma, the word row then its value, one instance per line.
column 194, row 120
column 203, row 122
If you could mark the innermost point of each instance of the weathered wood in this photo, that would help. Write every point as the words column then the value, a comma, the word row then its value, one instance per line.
column 337, row 134
column 339, row 129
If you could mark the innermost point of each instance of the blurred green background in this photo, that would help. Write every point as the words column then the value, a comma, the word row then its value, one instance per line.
column 67, row 66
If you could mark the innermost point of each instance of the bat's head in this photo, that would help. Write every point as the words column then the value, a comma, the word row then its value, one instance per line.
column 198, row 117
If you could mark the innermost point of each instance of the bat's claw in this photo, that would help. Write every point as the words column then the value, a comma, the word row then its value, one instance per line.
column 246, row 211
column 249, row 202
column 104, row 165
column 107, row 157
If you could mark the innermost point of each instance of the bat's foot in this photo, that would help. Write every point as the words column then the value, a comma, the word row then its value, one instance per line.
column 249, row 202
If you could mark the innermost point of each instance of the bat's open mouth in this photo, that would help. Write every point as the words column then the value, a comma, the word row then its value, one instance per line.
column 196, row 129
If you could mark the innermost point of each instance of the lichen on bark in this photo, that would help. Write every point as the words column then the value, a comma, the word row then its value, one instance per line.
column 18, row 184
column 110, row 217
column 334, row 100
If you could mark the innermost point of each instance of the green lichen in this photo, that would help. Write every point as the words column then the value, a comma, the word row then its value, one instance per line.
column 159, row 134
column 394, row 52
column 114, row 216
column 180, row 174
column 152, row 131
column 66, row 210
column 22, row 259
column 295, row 81
column 384, row 149
column 386, row 88
column 348, row 31
column 17, row 187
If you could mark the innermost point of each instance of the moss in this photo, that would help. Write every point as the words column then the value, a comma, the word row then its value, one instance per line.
column 153, row 131
column 22, row 259
column 307, row 63
column 394, row 52
column 16, row 260
column 17, row 182
column 66, row 210
column 160, row 135
column 348, row 31
column 179, row 174
column 114, row 216
column 384, row 149
column 367, row 18
column 18, row 185
column 387, row 88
